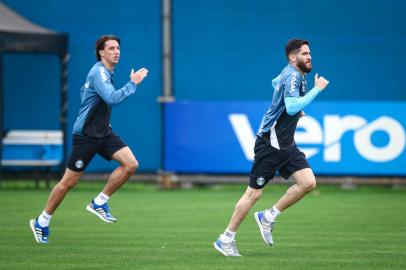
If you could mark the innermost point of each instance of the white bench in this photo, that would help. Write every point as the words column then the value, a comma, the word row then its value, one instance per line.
column 33, row 148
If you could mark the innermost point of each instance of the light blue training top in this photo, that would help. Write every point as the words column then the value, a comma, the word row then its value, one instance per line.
column 288, row 100
column 98, row 96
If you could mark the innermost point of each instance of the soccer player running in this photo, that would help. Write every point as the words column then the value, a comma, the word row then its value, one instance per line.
column 92, row 134
column 275, row 148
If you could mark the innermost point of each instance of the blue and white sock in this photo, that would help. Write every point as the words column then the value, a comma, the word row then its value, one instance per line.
column 101, row 199
column 44, row 219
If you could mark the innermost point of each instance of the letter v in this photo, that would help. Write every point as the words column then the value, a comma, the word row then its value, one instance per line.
column 244, row 132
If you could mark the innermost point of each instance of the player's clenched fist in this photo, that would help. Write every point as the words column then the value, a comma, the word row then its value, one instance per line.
column 320, row 82
column 138, row 75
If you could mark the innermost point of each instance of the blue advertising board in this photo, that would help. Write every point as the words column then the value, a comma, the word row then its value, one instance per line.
column 338, row 138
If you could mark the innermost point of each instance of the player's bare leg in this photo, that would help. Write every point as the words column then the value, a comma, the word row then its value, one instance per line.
column 128, row 165
column 68, row 181
column 305, row 182
column 40, row 225
column 243, row 206
column 226, row 243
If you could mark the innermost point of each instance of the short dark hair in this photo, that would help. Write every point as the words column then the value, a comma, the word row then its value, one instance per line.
column 294, row 45
column 102, row 41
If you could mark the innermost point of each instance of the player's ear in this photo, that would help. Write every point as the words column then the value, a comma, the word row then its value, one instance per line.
column 292, row 57
column 101, row 52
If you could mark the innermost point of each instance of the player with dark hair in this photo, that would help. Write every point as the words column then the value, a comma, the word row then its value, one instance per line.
column 92, row 134
column 275, row 147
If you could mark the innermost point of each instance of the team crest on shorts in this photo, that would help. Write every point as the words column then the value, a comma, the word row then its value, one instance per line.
column 79, row 164
column 260, row 181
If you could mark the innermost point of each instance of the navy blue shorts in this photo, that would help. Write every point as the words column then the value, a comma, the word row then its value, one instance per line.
column 84, row 148
column 269, row 159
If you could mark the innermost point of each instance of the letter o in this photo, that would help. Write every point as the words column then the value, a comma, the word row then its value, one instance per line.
column 362, row 140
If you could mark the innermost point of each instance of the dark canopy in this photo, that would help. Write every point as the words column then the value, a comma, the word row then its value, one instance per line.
column 19, row 35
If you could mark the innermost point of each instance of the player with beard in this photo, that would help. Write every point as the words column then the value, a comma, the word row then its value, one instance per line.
column 275, row 147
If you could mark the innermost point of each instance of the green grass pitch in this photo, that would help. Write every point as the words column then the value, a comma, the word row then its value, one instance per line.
column 175, row 229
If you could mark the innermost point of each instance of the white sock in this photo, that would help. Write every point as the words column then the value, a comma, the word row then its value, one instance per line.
column 227, row 236
column 272, row 213
column 101, row 199
column 44, row 219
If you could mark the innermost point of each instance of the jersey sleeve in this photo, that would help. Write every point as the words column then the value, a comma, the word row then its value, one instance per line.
column 296, row 104
column 291, row 85
column 106, row 90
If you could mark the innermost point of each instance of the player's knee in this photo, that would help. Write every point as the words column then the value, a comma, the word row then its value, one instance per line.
column 309, row 184
column 131, row 166
column 68, row 183
column 255, row 194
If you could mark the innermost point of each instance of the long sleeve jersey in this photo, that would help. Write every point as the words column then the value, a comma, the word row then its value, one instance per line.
column 289, row 98
column 98, row 96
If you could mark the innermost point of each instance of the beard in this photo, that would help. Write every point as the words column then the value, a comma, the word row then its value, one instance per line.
column 302, row 66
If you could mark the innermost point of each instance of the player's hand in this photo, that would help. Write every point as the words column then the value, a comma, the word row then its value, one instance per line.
column 139, row 75
column 320, row 82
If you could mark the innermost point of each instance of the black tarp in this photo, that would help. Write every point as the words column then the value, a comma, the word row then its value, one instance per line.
column 19, row 35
